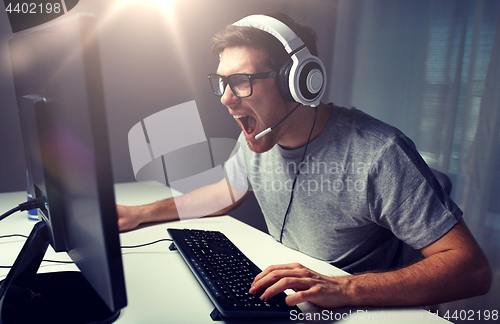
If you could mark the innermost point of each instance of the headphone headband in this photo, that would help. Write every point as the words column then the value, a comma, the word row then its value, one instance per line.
column 273, row 26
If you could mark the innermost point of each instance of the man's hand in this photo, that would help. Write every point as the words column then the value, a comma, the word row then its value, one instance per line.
column 454, row 267
column 128, row 217
column 200, row 202
column 324, row 291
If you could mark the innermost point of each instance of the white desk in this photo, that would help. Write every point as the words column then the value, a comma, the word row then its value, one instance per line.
column 162, row 289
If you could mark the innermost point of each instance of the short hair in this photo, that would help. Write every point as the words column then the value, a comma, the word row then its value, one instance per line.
column 274, row 51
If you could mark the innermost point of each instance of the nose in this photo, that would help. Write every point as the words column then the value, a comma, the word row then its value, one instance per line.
column 228, row 98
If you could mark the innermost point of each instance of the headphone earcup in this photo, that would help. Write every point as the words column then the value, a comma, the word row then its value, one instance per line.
column 308, row 80
column 311, row 80
column 283, row 81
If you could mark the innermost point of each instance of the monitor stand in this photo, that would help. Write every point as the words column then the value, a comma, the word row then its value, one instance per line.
column 56, row 297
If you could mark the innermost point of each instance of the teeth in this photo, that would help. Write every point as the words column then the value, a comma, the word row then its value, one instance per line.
column 238, row 116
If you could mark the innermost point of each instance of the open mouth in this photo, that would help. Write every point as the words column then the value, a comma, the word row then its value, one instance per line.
column 248, row 124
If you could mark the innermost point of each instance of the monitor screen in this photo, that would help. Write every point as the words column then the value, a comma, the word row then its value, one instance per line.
column 60, row 97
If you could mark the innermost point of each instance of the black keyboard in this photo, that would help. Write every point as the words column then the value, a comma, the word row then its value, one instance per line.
column 226, row 275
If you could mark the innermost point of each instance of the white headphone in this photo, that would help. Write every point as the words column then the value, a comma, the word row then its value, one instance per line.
column 302, row 78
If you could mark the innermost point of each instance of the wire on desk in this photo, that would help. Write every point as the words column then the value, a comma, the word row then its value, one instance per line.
column 57, row 261
column 13, row 235
column 123, row 247
column 53, row 261
column 145, row 244
column 24, row 236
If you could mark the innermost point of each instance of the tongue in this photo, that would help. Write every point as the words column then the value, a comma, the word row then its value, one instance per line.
column 249, row 123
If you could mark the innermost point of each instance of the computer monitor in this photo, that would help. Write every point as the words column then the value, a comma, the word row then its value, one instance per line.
column 60, row 97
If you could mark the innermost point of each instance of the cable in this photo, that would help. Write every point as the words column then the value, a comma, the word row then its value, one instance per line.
column 297, row 175
column 58, row 261
column 33, row 204
column 268, row 130
column 53, row 261
column 30, row 204
column 25, row 236
column 123, row 247
column 13, row 235
column 145, row 244
column 10, row 212
column 70, row 262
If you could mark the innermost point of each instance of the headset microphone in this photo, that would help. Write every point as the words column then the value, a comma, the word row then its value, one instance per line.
column 268, row 130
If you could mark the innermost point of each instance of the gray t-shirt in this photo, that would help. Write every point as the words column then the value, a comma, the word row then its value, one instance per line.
column 362, row 191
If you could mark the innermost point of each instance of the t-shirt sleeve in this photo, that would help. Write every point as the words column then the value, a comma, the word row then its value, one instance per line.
column 405, row 197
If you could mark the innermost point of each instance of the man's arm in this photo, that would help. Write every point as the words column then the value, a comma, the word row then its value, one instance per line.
column 200, row 202
column 454, row 267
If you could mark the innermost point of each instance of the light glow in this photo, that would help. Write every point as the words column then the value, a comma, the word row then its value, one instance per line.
column 165, row 5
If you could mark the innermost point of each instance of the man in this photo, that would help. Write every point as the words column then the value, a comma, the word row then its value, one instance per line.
column 333, row 183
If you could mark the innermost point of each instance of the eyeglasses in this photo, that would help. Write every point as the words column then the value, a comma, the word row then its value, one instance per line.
column 240, row 83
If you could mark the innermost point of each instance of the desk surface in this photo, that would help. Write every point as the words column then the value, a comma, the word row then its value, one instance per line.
column 160, row 286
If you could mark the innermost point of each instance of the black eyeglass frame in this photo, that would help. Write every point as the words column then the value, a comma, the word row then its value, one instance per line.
column 251, row 77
